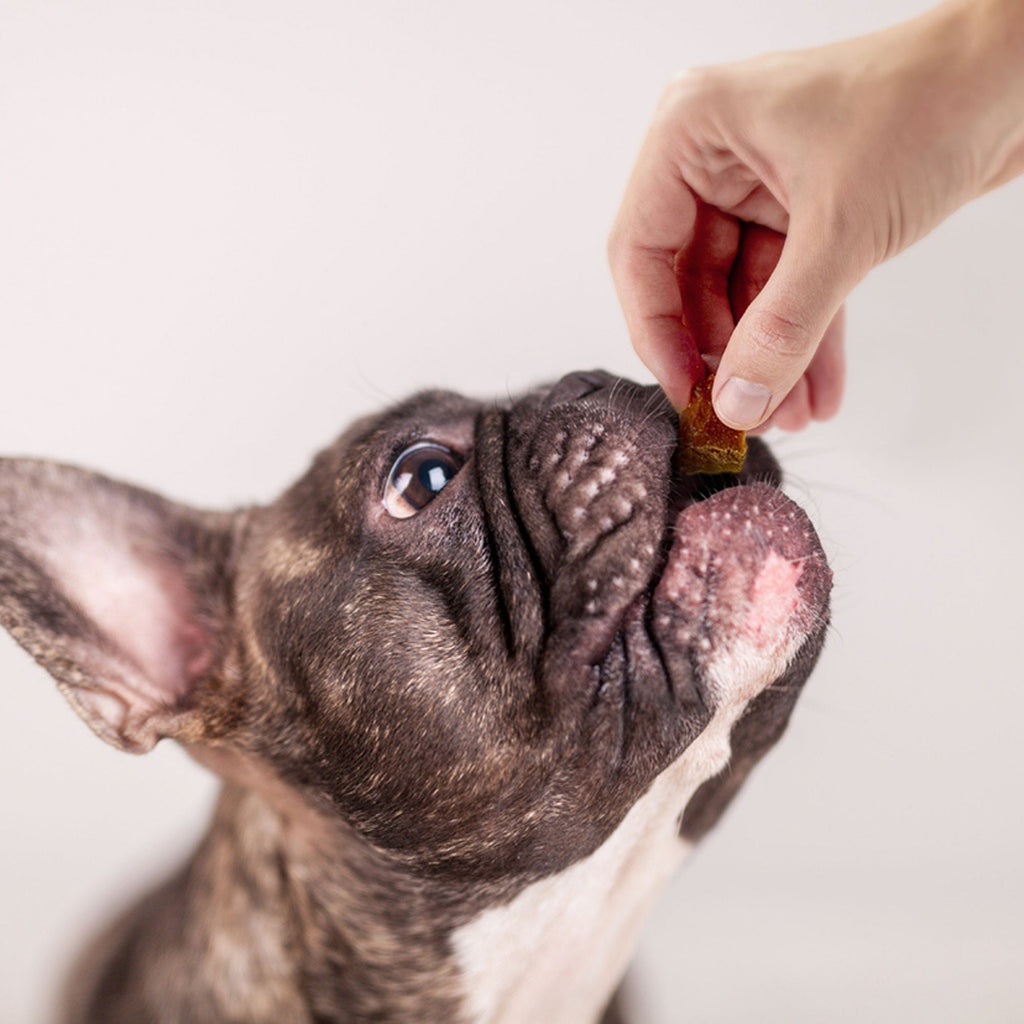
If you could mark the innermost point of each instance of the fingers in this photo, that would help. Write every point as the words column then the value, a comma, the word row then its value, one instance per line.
column 686, row 272
column 780, row 333
column 756, row 260
column 718, row 277
column 703, row 272
column 817, row 395
column 651, row 301
column 676, row 320
column 826, row 374
column 656, row 221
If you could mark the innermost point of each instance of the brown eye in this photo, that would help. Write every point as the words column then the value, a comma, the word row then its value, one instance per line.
column 419, row 474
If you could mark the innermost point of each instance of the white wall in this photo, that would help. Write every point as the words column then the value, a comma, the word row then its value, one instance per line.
column 226, row 228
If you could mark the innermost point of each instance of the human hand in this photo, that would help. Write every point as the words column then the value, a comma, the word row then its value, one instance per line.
column 766, row 190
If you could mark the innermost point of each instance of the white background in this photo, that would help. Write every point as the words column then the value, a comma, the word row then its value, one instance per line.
column 226, row 228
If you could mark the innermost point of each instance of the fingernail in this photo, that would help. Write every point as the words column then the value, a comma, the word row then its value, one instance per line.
column 742, row 403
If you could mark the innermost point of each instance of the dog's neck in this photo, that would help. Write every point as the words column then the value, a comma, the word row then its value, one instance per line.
column 292, row 901
column 558, row 950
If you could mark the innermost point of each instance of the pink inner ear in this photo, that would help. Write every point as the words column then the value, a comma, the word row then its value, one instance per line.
column 139, row 601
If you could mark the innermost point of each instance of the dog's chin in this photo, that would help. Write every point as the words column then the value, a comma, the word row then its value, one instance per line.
column 737, row 587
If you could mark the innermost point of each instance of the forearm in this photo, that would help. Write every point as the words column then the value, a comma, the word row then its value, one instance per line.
column 989, row 70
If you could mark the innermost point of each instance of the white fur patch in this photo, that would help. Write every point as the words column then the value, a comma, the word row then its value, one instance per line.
column 556, row 953
column 559, row 949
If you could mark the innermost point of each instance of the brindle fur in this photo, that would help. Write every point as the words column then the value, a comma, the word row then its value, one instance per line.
column 402, row 711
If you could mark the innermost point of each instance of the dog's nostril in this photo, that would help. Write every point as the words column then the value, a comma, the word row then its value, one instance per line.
column 578, row 384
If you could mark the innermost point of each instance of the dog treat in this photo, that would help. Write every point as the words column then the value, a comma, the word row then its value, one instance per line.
column 706, row 444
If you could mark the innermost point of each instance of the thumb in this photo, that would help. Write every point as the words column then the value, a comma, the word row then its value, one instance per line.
column 777, row 336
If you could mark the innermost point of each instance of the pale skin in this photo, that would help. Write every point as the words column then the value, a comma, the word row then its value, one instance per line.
column 766, row 190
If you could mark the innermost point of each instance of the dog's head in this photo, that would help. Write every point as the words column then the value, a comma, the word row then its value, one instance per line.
column 477, row 631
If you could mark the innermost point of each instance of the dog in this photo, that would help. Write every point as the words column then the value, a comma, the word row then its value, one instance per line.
column 474, row 686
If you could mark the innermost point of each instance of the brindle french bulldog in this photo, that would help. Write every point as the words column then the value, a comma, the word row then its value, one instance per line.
column 474, row 685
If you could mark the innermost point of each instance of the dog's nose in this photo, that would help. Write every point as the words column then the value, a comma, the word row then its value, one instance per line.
column 577, row 385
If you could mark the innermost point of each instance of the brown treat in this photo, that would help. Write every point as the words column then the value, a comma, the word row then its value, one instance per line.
column 706, row 444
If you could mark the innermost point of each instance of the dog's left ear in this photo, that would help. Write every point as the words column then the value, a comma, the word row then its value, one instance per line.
column 120, row 594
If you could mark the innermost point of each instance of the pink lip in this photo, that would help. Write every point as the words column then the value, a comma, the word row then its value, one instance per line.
column 744, row 562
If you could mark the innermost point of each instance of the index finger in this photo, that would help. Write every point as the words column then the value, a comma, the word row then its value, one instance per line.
column 655, row 221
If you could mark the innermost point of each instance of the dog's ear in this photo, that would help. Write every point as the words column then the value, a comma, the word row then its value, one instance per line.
column 120, row 594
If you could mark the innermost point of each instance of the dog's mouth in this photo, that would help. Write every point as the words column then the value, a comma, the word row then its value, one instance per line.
column 673, row 593
column 702, row 592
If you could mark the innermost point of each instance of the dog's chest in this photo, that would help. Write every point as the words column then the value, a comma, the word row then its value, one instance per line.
column 558, row 950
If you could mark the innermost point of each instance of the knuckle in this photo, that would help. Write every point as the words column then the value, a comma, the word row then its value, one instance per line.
column 617, row 248
column 694, row 83
column 623, row 262
column 632, row 262
column 690, row 91
column 778, row 335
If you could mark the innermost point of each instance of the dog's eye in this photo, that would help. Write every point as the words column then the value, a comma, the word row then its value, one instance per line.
column 419, row 474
